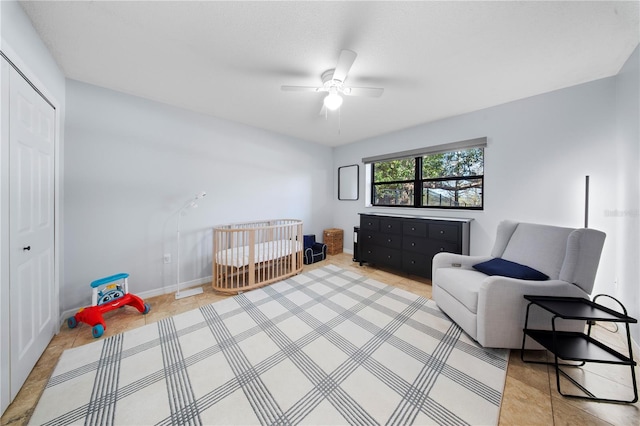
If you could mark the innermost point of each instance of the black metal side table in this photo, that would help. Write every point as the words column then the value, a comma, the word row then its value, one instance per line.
column 576, row 346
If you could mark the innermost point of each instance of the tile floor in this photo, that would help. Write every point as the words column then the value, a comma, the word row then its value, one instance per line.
column 530, row 395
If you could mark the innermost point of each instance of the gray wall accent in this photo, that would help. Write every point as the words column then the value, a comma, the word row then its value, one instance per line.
column 539, row 151
column 131, row 163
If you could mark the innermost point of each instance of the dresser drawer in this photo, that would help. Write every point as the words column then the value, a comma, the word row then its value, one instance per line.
column 435, row 247
column 415, row 243
column 368, row 222
column 391, row 226
column 416, row 229
column 417, row 264
column 385, row 240
column 443, row 232
column 383, row 255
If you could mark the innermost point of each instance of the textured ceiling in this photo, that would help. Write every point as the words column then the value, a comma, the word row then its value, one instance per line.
column 434, row 59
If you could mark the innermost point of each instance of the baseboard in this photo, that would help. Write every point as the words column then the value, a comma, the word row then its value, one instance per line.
column 147, row 294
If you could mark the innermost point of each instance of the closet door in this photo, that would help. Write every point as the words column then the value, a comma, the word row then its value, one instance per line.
column 31, row 227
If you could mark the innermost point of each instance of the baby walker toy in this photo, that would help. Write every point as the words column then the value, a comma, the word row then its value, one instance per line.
column 109, row 293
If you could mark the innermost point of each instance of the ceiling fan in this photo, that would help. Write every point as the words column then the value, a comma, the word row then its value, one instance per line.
column 333, row 84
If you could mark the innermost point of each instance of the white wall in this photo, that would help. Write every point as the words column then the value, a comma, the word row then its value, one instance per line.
column 131, row 163
column 22, row 45
column 625, row 213
column 539, row 151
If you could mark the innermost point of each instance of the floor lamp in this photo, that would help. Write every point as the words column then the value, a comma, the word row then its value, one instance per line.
column 192, row 204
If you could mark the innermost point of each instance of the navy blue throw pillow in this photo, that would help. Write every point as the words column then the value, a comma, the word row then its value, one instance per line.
column 506, row 268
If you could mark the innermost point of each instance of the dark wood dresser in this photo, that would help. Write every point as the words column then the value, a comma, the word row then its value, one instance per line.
column 408, row 243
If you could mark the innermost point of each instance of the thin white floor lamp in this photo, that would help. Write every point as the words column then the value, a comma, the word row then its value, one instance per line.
column 191, row 204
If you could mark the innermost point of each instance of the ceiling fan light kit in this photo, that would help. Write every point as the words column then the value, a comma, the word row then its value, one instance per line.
column 333, row 83
column 333, row 100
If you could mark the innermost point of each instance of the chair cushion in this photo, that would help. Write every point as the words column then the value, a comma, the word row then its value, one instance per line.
column 309, row 240
column 506, row 268
column 541, row 247
column 461, row 284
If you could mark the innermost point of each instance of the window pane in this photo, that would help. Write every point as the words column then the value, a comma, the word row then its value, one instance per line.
column 468, row 162
column 452, row 193
column 394, row 170
column 393, row 194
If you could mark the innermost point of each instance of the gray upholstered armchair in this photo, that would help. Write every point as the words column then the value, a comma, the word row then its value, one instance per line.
column 491, row 308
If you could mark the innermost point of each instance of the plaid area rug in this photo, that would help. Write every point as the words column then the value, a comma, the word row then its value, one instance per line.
column 327, row 347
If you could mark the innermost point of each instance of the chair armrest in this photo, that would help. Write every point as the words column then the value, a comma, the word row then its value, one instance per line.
column 452, row 260
column 502, row 308
column 318, row 246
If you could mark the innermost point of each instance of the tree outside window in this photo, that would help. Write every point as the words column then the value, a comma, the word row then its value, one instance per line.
column 453, row 179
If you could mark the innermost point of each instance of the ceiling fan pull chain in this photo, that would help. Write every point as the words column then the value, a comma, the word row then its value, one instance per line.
column 339, row 119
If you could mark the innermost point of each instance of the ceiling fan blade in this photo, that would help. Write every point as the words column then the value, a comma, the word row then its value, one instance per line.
column 372, row 92
column 301, row 89
column 344, row 64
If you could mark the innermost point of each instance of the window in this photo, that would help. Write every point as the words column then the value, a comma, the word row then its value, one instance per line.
column 394, row 182
column 453, row 179
column 441, row 179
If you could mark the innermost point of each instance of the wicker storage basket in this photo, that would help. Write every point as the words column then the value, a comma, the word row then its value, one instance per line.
column 334, row 239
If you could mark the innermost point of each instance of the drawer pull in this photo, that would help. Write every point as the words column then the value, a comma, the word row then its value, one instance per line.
column 413, row 262
column 413, row 228
column 389, row 240
column 413, row 244
column 441, row 248
column 441, row 231
column 369, row 236
column 389, row 257
column 389, row 226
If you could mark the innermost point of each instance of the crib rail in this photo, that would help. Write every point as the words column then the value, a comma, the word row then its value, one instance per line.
column 253, row 254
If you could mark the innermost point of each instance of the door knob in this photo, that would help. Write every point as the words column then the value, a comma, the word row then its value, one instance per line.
column 27, row 248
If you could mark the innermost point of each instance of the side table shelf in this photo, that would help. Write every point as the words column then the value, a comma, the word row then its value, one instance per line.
column 576, row 346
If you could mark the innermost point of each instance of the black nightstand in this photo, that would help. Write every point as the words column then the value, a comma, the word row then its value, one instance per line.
column 575, row 346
